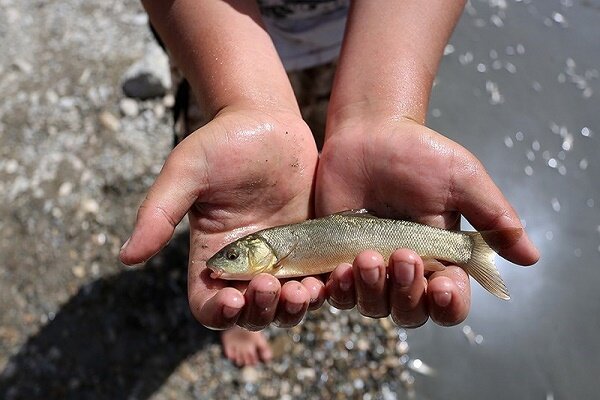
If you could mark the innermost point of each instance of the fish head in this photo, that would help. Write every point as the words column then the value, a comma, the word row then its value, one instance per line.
column 243, row 259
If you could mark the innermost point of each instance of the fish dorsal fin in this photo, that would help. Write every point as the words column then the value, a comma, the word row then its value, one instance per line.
column 357, row 212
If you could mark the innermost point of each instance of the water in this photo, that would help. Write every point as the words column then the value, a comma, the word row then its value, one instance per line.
column 529, row 110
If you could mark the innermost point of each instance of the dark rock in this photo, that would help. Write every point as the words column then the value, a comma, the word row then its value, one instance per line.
column 144, row 86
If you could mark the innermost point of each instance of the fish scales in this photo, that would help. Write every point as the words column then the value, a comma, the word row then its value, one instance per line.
column 318, row 246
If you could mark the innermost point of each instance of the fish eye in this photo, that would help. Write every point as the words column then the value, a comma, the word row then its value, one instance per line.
column 231, row 254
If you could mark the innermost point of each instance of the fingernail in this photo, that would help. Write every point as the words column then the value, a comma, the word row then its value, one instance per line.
column 404, row 273
column 370, row 276
column 293, row 308
column 442, row 299
column 345, row 283
column 124, row 245
column 230, row 312
column 264, row 299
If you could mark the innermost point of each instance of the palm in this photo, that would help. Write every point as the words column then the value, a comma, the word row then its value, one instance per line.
column 399, row 169
column 260, row 174
column 244, row 171
column 403, row 170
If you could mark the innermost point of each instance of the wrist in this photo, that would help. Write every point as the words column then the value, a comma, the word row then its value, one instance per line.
column 366, row 118
column 261, row 110
column 364, row 97
column 275, row 130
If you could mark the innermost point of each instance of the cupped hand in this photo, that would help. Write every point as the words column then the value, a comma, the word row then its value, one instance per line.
column 401, row 169
column 244, row 171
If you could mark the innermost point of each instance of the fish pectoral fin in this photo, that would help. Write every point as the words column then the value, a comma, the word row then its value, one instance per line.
column 433, row 265
column 357, row 212
column 265, row 264
column 267, row 269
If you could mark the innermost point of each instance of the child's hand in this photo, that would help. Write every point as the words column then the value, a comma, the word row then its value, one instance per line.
column 246, row 168
column 399, row 168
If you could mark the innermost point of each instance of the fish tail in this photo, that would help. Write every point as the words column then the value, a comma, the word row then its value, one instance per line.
column 481, row 266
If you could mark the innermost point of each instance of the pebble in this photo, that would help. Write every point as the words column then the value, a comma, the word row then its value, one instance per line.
column 129, row 107
column 23, row 66
column 159, row 111
column 109, row 121
column 144, row 86
column 168, row 101
column 308, row 374
column 11, row 166
column 362, row 344
column 188, row 373
column 65, row 189
column 149, row 77
column 67, row 102
column 250, row 374
column 78, row 271
column 90, row 206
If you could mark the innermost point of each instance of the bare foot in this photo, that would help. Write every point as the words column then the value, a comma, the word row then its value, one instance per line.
column 245, row 347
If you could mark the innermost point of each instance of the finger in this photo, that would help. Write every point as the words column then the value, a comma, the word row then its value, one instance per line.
column 449, row 296
column 293, row 304
column 408, row 299
column 477, row 197
column 316, row 290
column 220, row 311
column 178, row 185
column 261, row 299
column 340, row 287
column 371, row 284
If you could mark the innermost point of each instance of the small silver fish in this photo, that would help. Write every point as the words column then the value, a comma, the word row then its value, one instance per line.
column 319, row 245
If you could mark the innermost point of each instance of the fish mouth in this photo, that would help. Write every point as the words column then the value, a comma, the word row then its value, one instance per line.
column 216, row 273
column 220, row 274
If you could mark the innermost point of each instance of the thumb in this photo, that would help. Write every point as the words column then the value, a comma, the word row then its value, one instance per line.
column 176, row 188
column 485, row 207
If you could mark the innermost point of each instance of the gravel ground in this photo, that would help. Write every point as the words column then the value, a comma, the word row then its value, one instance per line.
column 77, row 156
column 75, row 161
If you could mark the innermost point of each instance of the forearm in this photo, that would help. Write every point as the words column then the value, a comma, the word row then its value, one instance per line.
column 390, row 57
column 224, row 52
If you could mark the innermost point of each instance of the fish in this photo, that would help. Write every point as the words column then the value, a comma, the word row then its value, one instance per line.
column 318, row 246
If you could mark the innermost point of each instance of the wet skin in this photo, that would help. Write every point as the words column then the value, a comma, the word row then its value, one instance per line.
column 273, row 186
column 244, row 171
column 401, row 169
